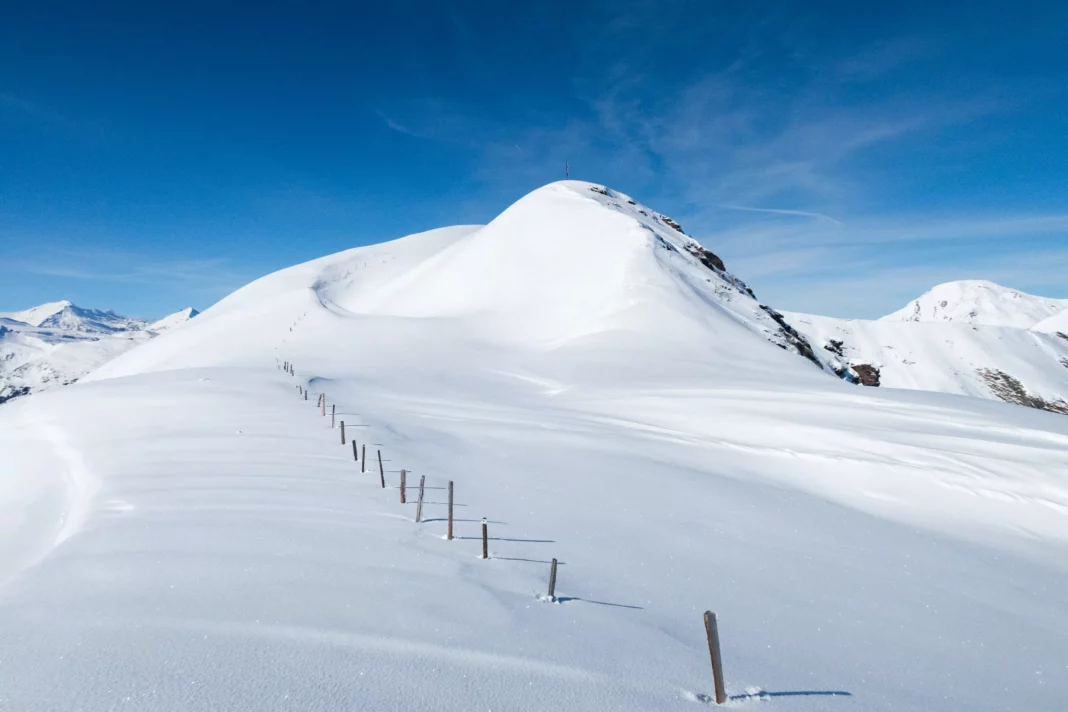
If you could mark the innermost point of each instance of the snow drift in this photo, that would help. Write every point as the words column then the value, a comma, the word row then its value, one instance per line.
column 183, row 530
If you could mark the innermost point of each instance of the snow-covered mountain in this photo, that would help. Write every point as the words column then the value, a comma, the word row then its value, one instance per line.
column 58, row 343
column 973, row 338
column 979, row 302
column 185, row 528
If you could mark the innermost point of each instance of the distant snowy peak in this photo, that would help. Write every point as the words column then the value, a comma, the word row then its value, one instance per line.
column 58, row 343
column 979, row 302
column 67, row 317
column 176, row 319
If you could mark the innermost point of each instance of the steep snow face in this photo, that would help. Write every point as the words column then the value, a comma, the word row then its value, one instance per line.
column 572, row 267
column 979, row 302
column 1012, row 364
column 58, row 343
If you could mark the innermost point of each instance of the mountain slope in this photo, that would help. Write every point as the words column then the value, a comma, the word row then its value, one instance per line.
column 58, row 343
column 979, row 302
column 1016, row 365
column 568, row 267
column 184, row 530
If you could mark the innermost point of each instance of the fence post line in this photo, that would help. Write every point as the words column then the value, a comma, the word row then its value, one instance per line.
column 404, row 477
column 552, row 581
column 485, row 539
column 381, row 472
column 712, row 632
column 342, row 432
column 450, row 510
column 419, row 506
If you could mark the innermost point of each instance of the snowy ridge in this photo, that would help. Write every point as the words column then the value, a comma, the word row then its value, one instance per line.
column 600, row 395
column 570, row 264
column 979, row 302
column 57, row 343
column 1013, row 364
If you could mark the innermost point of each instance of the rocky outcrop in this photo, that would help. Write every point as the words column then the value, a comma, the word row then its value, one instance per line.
column 867, row 375
column 1010, row 390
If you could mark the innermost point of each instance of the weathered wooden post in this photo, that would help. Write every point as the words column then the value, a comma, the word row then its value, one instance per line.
column 305, row 395
column 363, row 457
column 552, row 581
column 333, row 412
column 419, row 505
column 404, row 477
column 355, row 452
column 450, row 510
column 381, row 472
column 342, row 432
column 485, row 539
column 712, row 631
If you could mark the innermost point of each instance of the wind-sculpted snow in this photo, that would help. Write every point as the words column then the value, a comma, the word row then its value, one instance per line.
column 867, row 549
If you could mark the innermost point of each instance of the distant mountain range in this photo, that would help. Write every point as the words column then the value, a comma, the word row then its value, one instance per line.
column 969, row 337
column 57, row 343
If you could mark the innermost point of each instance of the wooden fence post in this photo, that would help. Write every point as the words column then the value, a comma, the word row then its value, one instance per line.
column 363, row 457
column 381, row 472
column 450, row 510
column 305, row 395
column 342, row 432
column 552, row 581
column 485, row 539
column 355, row 452
column 333, row 412
column 404, row 477
column 419, row 506
column 712, row 632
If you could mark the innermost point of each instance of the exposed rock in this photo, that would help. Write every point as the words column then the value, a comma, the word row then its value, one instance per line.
column 1010, row 390
column 834, row 346
column 708, row 259
column 672, row 224
column 867, row 374
column 795, row 339
column 11, row 392
column 598, row 189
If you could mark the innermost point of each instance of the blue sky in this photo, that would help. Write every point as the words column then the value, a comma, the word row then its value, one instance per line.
column 841, row 158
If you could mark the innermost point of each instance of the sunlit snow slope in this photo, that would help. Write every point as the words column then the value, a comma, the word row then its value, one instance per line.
column 999, row 362
column 186, row 531
column 979, row 302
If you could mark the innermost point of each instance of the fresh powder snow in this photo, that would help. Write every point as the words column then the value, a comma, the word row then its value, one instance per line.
column 183, row 529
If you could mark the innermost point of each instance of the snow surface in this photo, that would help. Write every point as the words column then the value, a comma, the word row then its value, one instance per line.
column 979, row 302
column 944, row 357
column 182, row 530
column 58, row 343
column 1057, row 324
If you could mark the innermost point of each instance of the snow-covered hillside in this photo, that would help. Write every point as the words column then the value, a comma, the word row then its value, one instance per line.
column 184, row 529
column 58, row 343
column 979, row 302
column 1012, row 364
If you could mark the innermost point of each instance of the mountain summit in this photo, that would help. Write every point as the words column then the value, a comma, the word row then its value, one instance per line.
column 57, row 343
column 979, row 302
